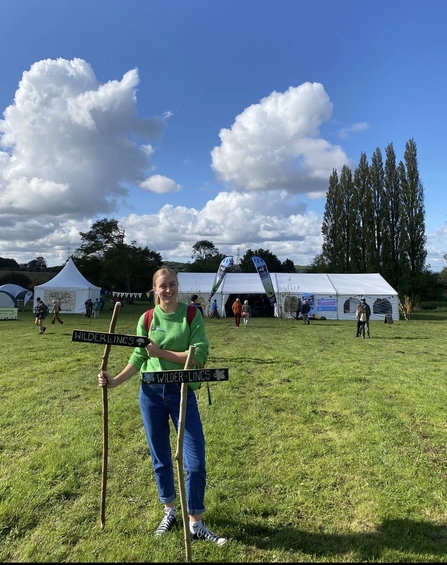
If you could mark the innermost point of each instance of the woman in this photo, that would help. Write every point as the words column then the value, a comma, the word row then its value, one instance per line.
column 170, row 337
column 41, row 313
column 360, row 314
column 246, row 312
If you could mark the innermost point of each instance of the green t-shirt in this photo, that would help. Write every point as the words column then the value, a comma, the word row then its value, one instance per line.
column 172, row 332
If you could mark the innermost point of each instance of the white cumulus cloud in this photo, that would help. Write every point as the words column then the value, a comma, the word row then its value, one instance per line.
column 160, row 184
column 66, row 148
column 276, row 144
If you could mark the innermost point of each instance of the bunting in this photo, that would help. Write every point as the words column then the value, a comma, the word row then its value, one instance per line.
column 127, row 294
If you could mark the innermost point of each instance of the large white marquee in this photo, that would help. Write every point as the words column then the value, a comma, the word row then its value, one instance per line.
column 332, row 296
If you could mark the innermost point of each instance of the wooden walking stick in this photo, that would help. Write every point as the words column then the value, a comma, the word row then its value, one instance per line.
column 105, row 433
column 179, row 455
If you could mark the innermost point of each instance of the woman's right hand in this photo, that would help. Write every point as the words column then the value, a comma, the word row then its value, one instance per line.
column 104, row 379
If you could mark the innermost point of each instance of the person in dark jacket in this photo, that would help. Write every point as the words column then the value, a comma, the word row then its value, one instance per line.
column 363, row 308
column 305, row 309
column 298, row 309
column 41, row 310
column 194, row 299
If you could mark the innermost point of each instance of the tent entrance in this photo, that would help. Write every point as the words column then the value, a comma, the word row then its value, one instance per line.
column 260, row 305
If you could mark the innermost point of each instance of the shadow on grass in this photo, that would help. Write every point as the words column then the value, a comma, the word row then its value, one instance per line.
column 402, row 338
column 404, row 536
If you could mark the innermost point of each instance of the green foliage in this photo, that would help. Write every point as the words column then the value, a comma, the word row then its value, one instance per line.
column 379, row 208
column 389, row 258
column 320, row 447
column 206, row 258
column 8, row 264
column 130, row 268
column 435, row 305
column 16, row 278
column 319, row 265
column 104, row 235
column 329, row 226
column 412, row 252
column 273, row 263
column 288, row 266
column 108, row 262
column 204, row 249
column 375, row 222
column 37, row 265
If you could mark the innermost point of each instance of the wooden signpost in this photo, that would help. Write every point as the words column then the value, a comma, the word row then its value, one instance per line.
column 105, row 418
column 108, row 338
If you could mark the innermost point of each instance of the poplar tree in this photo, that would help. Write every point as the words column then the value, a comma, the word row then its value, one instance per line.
column 365, row 240
column 413, row 240
column 331, row 228
column 389, row 258
column 376, row 221
column 349, row 253
column 379, row 208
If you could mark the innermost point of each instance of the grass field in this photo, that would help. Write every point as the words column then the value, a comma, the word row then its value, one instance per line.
column 320, row 447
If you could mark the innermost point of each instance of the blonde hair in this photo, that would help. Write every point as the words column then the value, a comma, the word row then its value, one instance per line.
column 162, row 271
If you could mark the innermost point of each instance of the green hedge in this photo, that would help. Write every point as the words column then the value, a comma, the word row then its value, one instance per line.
column 433, row 305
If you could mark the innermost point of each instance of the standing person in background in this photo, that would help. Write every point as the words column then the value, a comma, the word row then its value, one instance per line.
column 88, row 307
column 170, row 337
column 298, row 309
column 305, row 309
column 237, row 311
column 214, row 310
column 368, row 314
column 361, row 313
column 41, row 313
column 194, row 299
column 246, row 312
column 102, row 301
column 55, row 311
column 96, row 308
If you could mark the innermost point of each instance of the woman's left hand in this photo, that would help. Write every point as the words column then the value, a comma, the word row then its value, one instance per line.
column 152, row 349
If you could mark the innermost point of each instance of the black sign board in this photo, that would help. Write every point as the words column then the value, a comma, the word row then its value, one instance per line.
column 185, row 376
column 106, row 338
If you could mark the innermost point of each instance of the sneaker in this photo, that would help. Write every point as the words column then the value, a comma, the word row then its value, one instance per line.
column 43, row 330
column 202, row 533
column 166, row 525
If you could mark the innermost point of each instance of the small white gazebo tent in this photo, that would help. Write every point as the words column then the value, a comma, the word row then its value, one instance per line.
column 70, row 288
column 16, row 291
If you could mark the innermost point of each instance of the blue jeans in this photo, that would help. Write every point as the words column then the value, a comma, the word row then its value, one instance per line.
column 158, row 403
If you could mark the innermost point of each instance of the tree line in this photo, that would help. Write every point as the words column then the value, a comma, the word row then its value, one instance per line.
column 107, row 261
column 373, row 222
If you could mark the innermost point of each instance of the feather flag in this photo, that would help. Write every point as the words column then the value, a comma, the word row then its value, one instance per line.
column 221, row 272
column 265, row 278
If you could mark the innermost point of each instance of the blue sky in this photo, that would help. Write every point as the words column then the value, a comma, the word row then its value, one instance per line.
column 190, row 120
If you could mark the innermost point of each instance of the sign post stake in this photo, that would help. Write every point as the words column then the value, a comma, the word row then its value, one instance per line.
column 179, row 455
column 105, row 433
